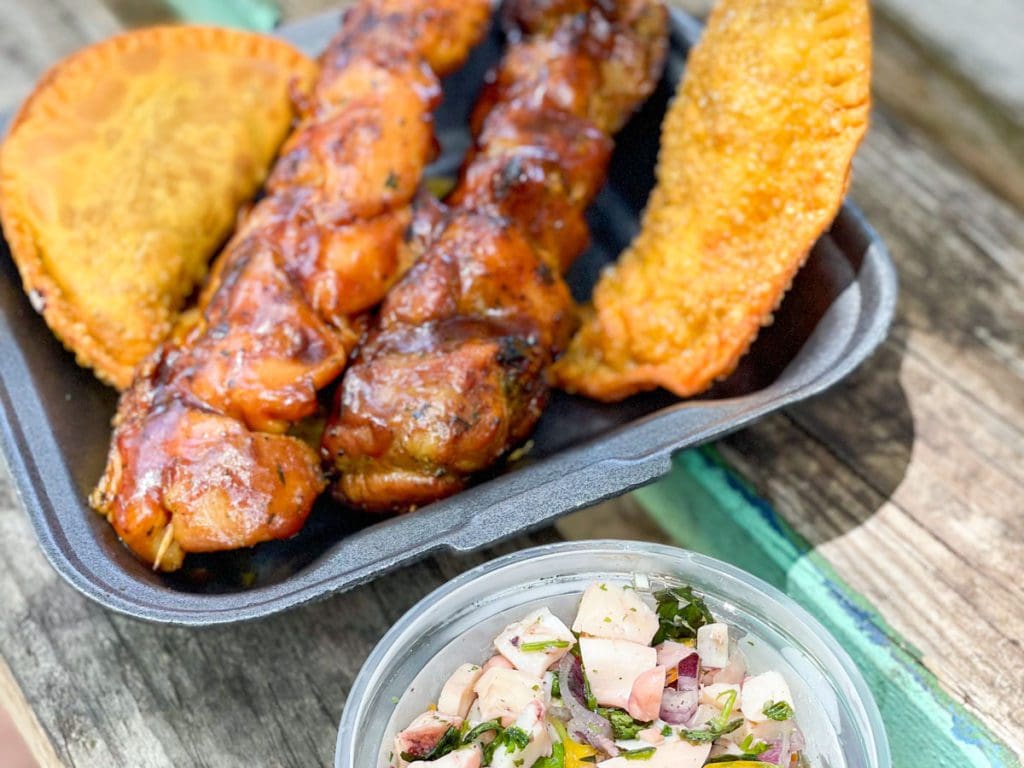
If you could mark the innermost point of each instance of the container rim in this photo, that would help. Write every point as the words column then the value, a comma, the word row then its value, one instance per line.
column 876, row 740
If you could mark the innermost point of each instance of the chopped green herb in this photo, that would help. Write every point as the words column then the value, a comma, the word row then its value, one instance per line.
column 777, row 710
column 557, row 759
column 514, row 738
column 718, row 725
column 730, row 702
column 680, row 614
column 391, row 182
column 603, row 587
column 489, row 751
column 666, row 730
column 711, row 731
column 449, row 742
column 639, row 754
column 752, row 747
column 623, row 726
column 588, row 695
column 544, row 645
column 556, row 688
column 480, row 730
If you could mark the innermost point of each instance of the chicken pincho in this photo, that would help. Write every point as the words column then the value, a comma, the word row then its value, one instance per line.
column 452, row 373
column 201, row 458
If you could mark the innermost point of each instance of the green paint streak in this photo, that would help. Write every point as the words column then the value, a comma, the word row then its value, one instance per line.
column 258, row 15
column 926, row 727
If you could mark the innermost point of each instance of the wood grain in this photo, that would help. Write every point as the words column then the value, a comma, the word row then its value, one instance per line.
column 34, row 35
column 110, row 691
column 910, row 475
column 23, row 742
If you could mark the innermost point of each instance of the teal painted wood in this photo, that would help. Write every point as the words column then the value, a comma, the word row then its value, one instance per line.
column 258, row 15
column 926, row 727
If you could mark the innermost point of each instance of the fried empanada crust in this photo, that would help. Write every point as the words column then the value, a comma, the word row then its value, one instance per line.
column 125, row 170
column 755, row 160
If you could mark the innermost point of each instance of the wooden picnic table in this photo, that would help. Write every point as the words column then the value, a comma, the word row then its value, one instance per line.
column 892, row 505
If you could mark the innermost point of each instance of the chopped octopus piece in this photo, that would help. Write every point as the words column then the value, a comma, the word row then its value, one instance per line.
column 533, row 721
column 615, row 612
column 612, row 666
column 761, row 691
column 645, row 697
column 498, row 661
column 535, row 643
column 670, row 653
column 505, row 693
column 457, row 695
column 424, row 732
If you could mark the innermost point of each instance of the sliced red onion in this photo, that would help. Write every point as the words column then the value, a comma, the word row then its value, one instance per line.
column 771, row 755
column 583, row 724
column 688, row 670
column 560, row 713
column 606, row 745
column 779, row 753
column 571, row 682
column 678, row 707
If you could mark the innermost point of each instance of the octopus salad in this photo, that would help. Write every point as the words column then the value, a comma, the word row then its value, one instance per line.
column 637, row 680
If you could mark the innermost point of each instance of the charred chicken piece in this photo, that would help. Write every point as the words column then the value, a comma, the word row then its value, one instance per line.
column 452, row 373
column 200, row 460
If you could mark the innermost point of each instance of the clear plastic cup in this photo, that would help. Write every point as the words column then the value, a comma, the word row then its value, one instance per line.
column 457, row 622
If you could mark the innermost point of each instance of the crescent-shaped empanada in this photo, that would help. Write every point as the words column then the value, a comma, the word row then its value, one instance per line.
column 125, row 170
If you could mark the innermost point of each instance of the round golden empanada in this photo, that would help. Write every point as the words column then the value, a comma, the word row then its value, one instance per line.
column 124, row 171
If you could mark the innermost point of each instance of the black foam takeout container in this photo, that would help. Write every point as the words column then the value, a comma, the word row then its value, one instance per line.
column 56, row 416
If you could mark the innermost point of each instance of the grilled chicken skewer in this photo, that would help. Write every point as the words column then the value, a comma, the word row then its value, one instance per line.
column 452, row 373
column 200, row 460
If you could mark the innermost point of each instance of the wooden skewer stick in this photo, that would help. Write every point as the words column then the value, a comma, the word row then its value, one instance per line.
column 165, row 543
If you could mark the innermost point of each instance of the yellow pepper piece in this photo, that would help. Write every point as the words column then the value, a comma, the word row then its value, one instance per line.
column 576, row 754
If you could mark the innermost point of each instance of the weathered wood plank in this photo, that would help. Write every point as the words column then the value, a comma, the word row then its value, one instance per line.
column 22, row 730
column 910, row 476
column 112, row 691
column 35, row 35
column 958, row 27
